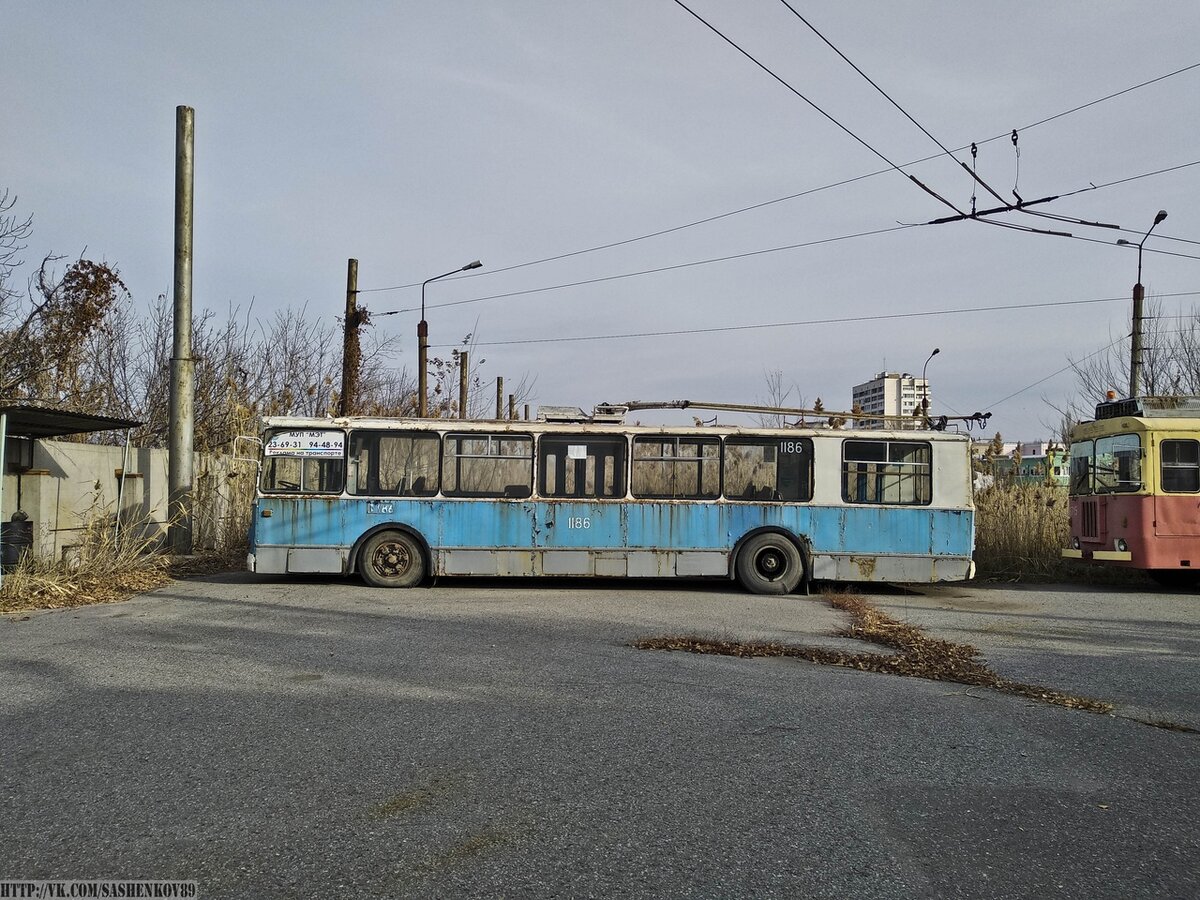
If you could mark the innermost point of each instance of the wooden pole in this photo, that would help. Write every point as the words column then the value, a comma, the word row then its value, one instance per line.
column 464, row 367
column 351, row 349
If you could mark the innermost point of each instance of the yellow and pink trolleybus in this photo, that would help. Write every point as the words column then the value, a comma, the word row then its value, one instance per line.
column 1135, row 488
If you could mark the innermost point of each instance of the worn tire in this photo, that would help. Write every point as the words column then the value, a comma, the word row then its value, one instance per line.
column 769, row 563
column 391, row 559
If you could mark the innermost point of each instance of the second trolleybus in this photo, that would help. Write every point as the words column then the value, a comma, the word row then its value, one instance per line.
column 1135, row 488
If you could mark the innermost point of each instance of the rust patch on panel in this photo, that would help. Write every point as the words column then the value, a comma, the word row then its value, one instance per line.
column 866, row 566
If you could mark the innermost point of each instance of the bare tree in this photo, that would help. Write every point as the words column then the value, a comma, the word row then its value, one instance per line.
column 1170, row 361
column 42, row 344
column 13, row 232
column 779, row 393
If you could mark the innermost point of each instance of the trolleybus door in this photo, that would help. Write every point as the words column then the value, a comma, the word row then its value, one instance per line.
column 579, row 528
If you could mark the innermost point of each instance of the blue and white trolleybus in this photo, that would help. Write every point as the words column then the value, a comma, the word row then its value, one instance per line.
column 399, row 500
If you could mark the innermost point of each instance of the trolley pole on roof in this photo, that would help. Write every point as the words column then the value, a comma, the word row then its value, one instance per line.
column 183, row 393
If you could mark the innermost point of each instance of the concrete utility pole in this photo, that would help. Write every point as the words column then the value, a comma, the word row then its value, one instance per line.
column 1135, row 343
column 183, row 391
column 351, row 348
column 499, row 398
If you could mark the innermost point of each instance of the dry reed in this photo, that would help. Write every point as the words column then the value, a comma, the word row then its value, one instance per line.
column 1020, row 530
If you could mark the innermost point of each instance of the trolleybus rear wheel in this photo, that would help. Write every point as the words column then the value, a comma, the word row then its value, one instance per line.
column 391, row 559
column 769, row 564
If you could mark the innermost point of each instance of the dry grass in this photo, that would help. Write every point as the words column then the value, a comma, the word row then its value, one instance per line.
column 1020, row 531
column 105, row 568
column 916, row 655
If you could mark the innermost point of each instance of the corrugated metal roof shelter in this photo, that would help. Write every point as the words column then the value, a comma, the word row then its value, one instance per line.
column 24, row 420
column 29, row 421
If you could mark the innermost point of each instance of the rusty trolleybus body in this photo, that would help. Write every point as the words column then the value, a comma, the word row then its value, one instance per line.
column 1135, row 487
column 397, row 500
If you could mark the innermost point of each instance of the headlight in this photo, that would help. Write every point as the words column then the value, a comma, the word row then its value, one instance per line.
column 1121, row 545
column 1075, row 543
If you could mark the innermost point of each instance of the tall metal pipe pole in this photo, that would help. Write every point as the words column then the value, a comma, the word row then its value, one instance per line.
column 351, row 348
column 183, row 393
column 423, row 340
column 1135, row 342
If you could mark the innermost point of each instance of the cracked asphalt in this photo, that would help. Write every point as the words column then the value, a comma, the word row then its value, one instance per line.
column 275, row 737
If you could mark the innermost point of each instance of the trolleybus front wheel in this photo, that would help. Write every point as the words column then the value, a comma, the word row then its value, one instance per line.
column 391, row 559
column 769, row 564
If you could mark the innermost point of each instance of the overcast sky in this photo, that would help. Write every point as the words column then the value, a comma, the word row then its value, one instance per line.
column 417, row 137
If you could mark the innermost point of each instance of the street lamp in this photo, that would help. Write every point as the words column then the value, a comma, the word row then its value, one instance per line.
column 423, row 339
column 1135, row 348
column 925, row 382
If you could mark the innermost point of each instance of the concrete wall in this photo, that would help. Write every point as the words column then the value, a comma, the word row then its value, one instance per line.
column 72, row 483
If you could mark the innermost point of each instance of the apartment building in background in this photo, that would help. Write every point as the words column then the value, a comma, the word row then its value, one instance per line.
column 891, row 394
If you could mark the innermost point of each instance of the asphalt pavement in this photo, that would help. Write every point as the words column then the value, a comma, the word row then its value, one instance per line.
column 276, row 737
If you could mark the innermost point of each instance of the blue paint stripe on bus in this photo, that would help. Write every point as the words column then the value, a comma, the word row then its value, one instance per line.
column 506, row 524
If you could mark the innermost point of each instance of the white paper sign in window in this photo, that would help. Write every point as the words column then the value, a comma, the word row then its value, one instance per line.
column 319, row 444
column 577, row 451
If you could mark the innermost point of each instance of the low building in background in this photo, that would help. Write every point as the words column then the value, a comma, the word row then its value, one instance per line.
column 1032, row 469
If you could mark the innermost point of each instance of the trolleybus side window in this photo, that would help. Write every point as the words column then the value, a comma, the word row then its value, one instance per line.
column 585, row 466
column 679, row 468
column 768, row 468
column 487, row 465
column 1117, row 465
column 1180, row 466
column 309, row 462
column 394, row 463
column 887, row 472
column 1081, row 467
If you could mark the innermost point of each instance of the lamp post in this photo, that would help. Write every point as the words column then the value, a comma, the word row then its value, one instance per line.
column 423, row 339
column 1135, row 344
column 925, row 383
